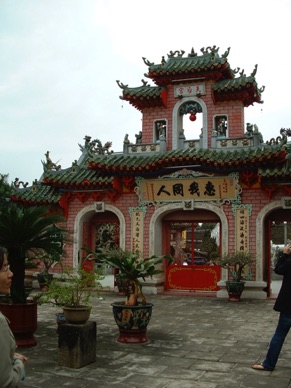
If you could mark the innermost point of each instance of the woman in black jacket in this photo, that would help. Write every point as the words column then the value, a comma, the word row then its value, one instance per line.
column 283, row 306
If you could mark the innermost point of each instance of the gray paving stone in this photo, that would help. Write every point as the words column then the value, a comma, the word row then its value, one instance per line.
column 194, row 342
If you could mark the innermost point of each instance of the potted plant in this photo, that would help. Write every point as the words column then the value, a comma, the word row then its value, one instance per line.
column 235, row 263
column 71, row 292
column 133, row 315
column 48, row 260
column 23, row 230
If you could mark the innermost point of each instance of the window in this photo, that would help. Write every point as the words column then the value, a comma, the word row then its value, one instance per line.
column 160, row 129
column 220, row 125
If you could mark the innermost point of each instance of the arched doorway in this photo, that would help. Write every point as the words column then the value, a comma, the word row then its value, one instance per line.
column 192, row 119
column 277, row 232
column 94, row 227
column 183, row 108
column 194, row 240
column 102, row 231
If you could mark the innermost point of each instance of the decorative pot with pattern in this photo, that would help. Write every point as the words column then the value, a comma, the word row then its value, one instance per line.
column 132, row 322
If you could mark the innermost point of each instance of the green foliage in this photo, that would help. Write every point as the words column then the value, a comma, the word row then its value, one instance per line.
column 5, row 191
column 208, row 243
column 25, row 231
column 48, row 259
column 235, row 262
column 130, row 266
column 74, row 288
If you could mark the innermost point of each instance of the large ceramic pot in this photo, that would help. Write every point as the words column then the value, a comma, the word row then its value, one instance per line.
column 234, row 290
column 132, row 322
column 77, row 315
column 23, row 322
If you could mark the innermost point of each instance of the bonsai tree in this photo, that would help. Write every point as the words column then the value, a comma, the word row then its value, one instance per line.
column 23, row 231
column 70, row 289
column 235, row 263
column 72, row 293
column 131, row 269
column 48, row 260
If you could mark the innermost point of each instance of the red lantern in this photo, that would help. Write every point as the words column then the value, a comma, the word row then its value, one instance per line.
column 192, row 117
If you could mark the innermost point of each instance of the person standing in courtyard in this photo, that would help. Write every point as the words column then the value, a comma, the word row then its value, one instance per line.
column 283, row 306
column 11, row 364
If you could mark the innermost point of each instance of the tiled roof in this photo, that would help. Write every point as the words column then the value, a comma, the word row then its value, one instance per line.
column 242, row 88
column 206, row 158
column 145, row 96
column 75, row 178
column 102, row 175
column 37, row 194
column 280, row 171
column 208, row 66
column 55, row 183
column 176, row 66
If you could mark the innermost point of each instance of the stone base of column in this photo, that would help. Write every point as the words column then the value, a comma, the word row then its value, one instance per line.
column 77, row 344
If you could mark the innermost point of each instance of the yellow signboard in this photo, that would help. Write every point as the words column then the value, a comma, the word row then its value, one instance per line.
column 196, row 188
column 137, row 231
column 242, row 230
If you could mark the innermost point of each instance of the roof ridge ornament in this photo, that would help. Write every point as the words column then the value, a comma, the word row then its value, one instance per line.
column 254, row 71
column 145, row 83
column 192, row 54
column 96, row 147
column 17, row 183
column 210, row 50
column 148, row 63
column 225, row 55
column 176, row 53
column 121, row 85
column 48, row 164
column 285, row 132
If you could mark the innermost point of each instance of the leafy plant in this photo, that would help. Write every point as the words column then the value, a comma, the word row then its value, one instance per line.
column 235, row 263
column 71, row 289
column 6, row 190
column 48, row 260
column 24, row 230
column 131, row 269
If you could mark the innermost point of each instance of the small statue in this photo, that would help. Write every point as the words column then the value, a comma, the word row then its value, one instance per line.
column 95, row 146
column 48, row 164
column 221, row 127
column 138, row 138
column 17, row 183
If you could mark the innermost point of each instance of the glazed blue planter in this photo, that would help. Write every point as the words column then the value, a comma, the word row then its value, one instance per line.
column 234, row 290
column 132, row 322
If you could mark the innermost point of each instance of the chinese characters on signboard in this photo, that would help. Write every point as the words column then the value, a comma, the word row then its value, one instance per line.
column 137, row 231
column 190, row 90
column 198, row 189
column 242, row 230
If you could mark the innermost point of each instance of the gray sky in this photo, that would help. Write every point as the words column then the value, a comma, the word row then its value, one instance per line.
column 60, row 59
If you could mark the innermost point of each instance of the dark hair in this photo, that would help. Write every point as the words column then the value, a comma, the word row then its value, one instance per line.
column 3, row 252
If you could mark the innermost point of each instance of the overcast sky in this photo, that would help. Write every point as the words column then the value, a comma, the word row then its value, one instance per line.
column 60, row 59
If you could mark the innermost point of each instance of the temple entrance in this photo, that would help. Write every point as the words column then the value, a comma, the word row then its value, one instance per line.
column 278, row 234
column 194, row 243
column 102, row 231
